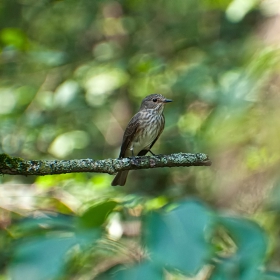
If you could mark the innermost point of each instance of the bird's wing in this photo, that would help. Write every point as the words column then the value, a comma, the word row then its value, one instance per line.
column 129, row 133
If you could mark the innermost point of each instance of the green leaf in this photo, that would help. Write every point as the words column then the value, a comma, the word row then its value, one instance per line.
column 178, row 239
column 86, row 238
column 44, row 257
column 32, row 226
column 48, row 58
column 96, row 215
column 138, row 272
column 251, row 245
column 40, row 258
column 14, row 37
column 249, row 237
column 271, row 275
column 232, row 269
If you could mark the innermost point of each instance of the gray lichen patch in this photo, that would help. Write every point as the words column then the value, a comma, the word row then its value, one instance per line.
column 18, row 166
column 108, row 167
column 163, row 160
column 125, row 161
column 152, row 162
column 191, row 158
column 201, row 156
column 33, row 166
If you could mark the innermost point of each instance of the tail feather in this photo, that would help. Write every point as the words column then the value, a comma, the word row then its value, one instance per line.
column 120, row 178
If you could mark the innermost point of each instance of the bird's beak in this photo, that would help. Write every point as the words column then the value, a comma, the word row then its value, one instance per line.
column 167, row 100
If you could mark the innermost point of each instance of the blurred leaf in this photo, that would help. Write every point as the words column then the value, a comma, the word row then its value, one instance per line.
column 251, row 245
column 48, row 57
column 270, row 275
column 96, row 215
column 59, row 206
column 86, row 238
column 249, row 237
column 238, row 9
column 6, row 242
column 66, row 93
column 222, row 4
column 41, row 258
column 230, row 270
column 156, row 203
column 55, row 204
column 13, row 37
column 138, row 272
column 31, row 226
column 49, row 181
column 44, row 257
column 64, row 144
column 178, row 239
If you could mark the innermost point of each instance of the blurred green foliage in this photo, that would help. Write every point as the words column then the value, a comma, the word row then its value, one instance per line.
column 178, row 238
column 72, row 75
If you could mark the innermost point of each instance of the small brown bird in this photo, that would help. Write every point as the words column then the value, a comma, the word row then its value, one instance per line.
column 142, row 131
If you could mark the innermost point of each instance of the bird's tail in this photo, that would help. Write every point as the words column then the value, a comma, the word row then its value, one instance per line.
column 120, row 178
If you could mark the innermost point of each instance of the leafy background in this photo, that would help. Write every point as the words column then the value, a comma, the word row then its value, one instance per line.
column 72, row 75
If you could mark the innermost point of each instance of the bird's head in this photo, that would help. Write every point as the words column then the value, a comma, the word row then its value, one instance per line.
column 154, row 102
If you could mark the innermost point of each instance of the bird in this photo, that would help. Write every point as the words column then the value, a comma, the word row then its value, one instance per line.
column 142, row 131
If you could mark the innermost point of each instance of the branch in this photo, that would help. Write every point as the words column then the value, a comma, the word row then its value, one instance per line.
column 18, row 166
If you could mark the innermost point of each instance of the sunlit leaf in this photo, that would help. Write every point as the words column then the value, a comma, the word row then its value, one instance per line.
column 96, row 215
column 14, row 37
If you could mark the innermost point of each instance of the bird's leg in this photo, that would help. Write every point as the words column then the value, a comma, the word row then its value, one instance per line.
column 131, row 149
column 152, row 152
column 134, row 161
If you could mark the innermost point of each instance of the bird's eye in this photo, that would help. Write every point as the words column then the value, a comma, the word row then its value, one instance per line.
column 155, row 99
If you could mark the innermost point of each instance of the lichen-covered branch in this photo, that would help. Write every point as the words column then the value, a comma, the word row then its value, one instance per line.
column 18, row 166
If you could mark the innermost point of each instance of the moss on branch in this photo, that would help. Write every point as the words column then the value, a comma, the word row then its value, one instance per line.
column 18, row 166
